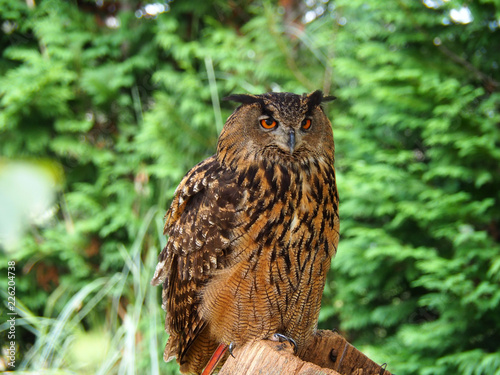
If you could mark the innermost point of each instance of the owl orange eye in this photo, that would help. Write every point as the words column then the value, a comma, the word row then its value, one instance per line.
column 268, row 123
column 306, row 123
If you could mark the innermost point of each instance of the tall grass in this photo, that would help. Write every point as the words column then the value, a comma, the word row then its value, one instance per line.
column 129, row 339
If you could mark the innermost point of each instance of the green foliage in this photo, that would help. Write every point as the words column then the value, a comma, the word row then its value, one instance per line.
column 122, row 106
column 418, row 157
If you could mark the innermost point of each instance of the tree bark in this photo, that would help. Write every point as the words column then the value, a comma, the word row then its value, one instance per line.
column 328, row 354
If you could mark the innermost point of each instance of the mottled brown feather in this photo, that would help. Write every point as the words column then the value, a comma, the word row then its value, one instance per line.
column 252, row 231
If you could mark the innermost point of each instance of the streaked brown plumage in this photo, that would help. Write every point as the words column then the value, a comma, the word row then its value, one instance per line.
column 252, row 231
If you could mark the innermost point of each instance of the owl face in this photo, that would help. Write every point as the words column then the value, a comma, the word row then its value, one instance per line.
column 280, row 127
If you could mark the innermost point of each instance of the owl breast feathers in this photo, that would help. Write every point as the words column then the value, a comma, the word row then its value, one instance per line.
column 251, row 231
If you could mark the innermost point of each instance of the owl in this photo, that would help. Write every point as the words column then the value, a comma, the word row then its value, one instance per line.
column 251, row 231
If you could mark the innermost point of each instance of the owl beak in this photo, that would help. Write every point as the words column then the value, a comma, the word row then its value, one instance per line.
column 291, row 141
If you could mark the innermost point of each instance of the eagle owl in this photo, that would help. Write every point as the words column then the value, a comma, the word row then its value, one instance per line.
column 251, row 231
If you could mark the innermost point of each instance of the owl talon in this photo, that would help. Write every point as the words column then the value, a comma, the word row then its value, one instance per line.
column 231, row 348
column 282, row 338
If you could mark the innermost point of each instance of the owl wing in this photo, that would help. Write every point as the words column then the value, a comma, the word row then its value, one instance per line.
column 198, row 224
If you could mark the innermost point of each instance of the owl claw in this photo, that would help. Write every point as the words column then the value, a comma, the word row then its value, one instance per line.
column 281, row 338
column 231, row 348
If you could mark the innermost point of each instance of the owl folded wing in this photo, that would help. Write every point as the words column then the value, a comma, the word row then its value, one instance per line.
column 198, row 224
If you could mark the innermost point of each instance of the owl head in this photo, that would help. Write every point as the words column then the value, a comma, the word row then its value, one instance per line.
column 276, row 127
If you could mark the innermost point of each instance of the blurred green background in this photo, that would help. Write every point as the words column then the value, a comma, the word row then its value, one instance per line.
column 105, row 105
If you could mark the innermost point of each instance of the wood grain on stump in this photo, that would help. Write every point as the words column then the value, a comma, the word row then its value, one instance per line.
column 328, row 354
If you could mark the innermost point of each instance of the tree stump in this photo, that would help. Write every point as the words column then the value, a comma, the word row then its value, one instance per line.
column 328, row 354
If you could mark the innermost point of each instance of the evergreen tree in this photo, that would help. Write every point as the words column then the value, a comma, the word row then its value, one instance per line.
column 417, row 132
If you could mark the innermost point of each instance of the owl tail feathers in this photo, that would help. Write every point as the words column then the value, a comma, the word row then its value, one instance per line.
column 160, row 274
column 171, row 349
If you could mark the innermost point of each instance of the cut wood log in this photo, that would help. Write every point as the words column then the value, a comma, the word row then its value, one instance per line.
column 329, row 354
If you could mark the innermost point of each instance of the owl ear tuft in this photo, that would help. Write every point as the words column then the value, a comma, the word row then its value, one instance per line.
column 330, row 98
column 244, row 98
column 315, row 99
